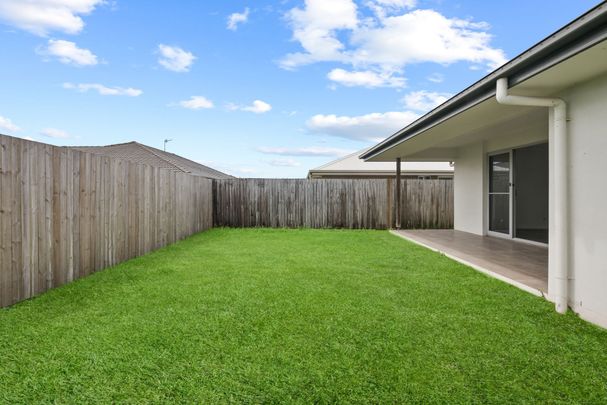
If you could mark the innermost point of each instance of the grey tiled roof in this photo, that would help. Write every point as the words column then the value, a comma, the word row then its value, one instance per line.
column 139, row 153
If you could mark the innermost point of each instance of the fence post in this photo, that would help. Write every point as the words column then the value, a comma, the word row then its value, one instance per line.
column 390, row 201
column 397, row 194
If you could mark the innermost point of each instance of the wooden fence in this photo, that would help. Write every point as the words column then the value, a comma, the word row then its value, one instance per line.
column 425, row 203
column 332, row 203
column 65, row 214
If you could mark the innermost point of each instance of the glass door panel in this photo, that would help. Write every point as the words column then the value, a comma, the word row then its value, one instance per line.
column 499, row 193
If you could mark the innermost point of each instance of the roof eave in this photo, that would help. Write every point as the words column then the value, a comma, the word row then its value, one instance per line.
column 376, row 172
column 577, row 36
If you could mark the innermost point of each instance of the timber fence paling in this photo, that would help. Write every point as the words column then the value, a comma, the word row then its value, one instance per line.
column 65, row 214
column 427, row 203
column 332, row 203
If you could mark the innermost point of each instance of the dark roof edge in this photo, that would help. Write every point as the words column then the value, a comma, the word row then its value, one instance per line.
column 582, row 33
column 378, row 172
column 159, row 156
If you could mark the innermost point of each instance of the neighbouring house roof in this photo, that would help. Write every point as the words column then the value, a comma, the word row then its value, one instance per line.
column 573, row 40
column 139, row 153
column 353, row 165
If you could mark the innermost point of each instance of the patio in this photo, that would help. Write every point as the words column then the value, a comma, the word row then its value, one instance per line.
column 517, row 263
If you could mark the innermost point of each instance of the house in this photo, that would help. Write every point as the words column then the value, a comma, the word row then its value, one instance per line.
column 529, row 144
column 139, row 153
column 353, row 167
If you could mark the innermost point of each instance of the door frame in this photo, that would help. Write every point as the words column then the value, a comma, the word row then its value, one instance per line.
column 511, row 189
column 510, row 234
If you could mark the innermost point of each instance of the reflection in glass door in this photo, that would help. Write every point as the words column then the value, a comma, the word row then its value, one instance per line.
column 499, row 193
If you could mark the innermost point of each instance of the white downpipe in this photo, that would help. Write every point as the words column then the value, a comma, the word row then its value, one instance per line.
column 560, row 243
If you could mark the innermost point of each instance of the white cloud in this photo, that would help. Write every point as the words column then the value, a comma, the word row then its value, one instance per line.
column 365, row 78
column 284, row 163
column 368, row 127
column 55, row 133
column 315, row 26
column 309, row 151
column 232, row 107
column 43, row 16
column 377, row 126
column 425, row 100
column 381, row 8
column 104, row 90
column 436, row 78
column 68, row 52
column 174, row 58
column 237, row 18
column 386, row 42
column 257, row 107
column 424, row 36
column 8, row 125
column 197, row 103
column 397, row 4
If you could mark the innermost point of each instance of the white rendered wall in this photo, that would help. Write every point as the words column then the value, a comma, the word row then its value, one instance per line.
column 587, row 105
column 470, row 175
column 468, row 196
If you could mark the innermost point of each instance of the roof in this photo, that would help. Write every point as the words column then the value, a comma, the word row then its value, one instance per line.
column 581, row 34
column 139, row 153
column 354, row 165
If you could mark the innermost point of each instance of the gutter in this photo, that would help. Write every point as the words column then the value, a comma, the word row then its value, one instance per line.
column 380, row 173
column 561, row 225
column 577, row 36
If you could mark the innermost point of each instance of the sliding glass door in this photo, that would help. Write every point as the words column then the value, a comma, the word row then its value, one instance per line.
column 530, row 193
column 499, row 193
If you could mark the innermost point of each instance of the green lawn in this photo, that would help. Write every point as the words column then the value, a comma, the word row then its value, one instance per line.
column 296, row 316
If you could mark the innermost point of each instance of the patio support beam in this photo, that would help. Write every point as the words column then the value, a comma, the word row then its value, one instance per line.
column 397, row 194
column 560, row 244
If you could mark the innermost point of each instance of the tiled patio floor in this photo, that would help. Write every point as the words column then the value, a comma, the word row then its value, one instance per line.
column 513, row 261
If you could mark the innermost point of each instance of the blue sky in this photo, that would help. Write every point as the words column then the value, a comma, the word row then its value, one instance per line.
column 257, row 89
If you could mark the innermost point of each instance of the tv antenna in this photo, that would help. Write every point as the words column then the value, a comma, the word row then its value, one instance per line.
column 165, row 143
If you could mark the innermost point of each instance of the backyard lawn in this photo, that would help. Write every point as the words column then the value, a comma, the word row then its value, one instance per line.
column 261, row 315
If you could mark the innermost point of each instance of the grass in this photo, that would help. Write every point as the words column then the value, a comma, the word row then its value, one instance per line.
column 304, row 316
